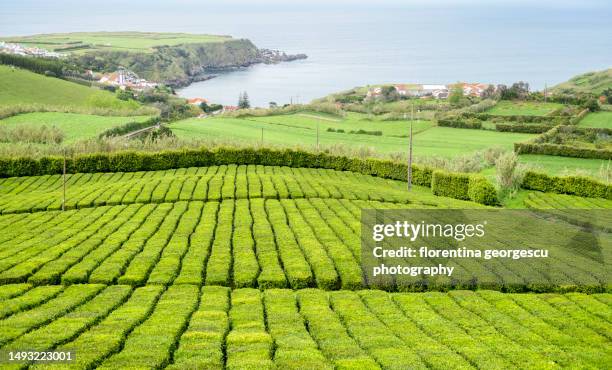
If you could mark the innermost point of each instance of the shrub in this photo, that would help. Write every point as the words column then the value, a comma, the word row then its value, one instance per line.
column 576, row 185
column 509, row 173
column 480, row 190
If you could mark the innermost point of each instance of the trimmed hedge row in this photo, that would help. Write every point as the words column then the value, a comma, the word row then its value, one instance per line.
column 576, row 119
column 561, row 150
column 541, row 144
column 458, row 122
column 575, row 185
column 464, row 186
column 524, row 128
column 143, row 161
column 129, row 127
column 551, row 120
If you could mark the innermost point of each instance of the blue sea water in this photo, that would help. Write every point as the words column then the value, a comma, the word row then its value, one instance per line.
column 353, row 43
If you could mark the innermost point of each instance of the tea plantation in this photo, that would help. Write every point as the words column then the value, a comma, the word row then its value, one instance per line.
column 258, row 267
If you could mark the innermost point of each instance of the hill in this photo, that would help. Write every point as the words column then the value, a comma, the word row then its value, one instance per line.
column 19, row 87
column 591, row 82
column 173, row 58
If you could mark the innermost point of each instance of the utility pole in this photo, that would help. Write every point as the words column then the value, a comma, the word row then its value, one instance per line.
column 64, row 185
column 545, row 91
column 317, row 136
column 262, row 136
column 410, row 151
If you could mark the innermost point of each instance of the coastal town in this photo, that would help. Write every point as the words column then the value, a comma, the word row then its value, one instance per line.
column 435, row 91
column 17, row 49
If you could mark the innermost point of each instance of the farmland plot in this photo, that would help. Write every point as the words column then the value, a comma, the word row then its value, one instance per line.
column 184, row 326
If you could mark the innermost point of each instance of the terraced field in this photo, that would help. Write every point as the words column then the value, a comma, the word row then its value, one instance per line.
column 239, row 267
column 184, row 326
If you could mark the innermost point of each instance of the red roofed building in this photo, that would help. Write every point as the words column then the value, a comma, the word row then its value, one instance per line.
column 197, row 101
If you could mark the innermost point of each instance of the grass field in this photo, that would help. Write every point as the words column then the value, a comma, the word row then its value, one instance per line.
column 554, row 165
column 19, row 87
column 80, row 42
column 214, row 327
column 300, row 130
column 74, row 126
column 510, row 108
column 598, row 119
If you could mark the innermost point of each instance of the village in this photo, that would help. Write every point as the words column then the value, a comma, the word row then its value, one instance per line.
column 435, row 91
column 17, row 49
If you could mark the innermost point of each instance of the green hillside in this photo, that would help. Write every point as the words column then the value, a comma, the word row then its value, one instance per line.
column 74, row 126
column 19, row 87
column 591, row 82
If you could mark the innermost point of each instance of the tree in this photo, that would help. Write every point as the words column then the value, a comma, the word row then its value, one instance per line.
column 489, row 92
column 456, row 94
column 608, row 94
column 243, row 101
column 591, row 105
column 126, row 94
column 389, row 93
column 273, row 105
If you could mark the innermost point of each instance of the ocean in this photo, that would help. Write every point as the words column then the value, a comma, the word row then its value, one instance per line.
column 355, row 43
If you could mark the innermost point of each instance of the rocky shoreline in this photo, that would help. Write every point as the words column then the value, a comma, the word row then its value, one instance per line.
column 263, row 56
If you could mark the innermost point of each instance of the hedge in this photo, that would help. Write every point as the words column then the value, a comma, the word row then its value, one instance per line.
column 454, row 185
column 575, row 185
column 561, row 150
column 129, row 127
column 524, row 128
column 458, row 122
column 576, row 119
column 447, row 184
column 551, row 120
column 464, row 186
column 541, row 144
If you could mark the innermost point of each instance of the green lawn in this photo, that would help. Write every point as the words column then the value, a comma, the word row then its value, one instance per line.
column 74, row 126
column 565, row 165
column 598, row 119
column 138, row 41
column 18, row 86
column 510, row 108
column 298, row 130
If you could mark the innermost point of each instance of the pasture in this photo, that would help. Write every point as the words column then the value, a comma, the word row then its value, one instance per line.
column 523, row 108
column 562, row 166
column 80, row 42
column 19, row 87
column 299, row 130
column 74, row 126
column 597, row 119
